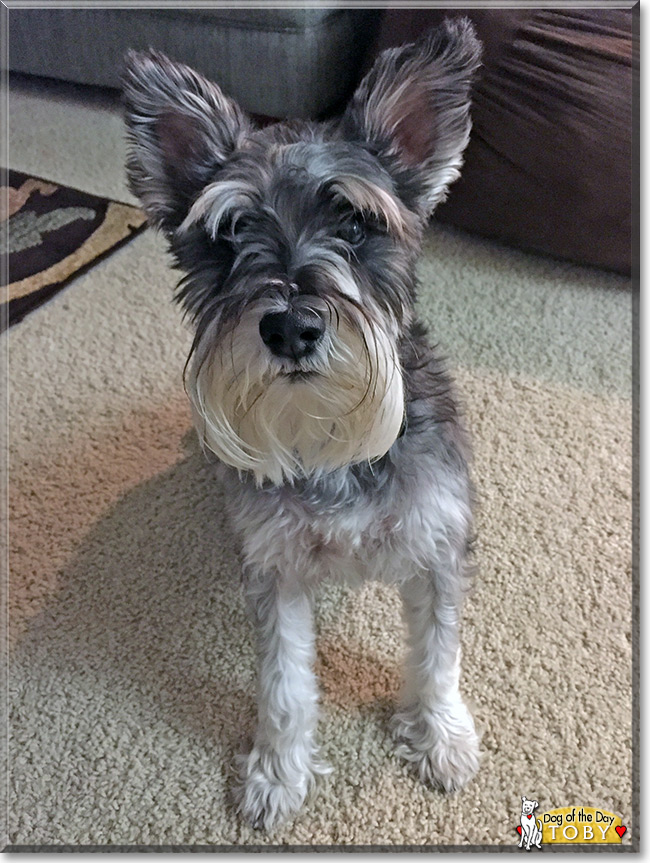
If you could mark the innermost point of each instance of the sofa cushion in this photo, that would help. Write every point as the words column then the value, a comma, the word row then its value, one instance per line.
column 549, row 164
column 275, row 62
column 269, row 18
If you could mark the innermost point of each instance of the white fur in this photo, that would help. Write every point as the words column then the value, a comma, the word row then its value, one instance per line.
column 254, row 416
column 217, row 200
column 280, row 769
column 285, row 556
column 435, row 729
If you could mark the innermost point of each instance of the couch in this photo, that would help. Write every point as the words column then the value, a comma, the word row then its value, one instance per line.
column 276, row 62
column 550, row 164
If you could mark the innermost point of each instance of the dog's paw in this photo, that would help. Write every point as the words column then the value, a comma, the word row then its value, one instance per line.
column 274, row 785
column 441, row 743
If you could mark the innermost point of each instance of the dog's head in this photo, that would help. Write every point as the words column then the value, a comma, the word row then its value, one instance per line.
column 528, row 806
column 298, row 242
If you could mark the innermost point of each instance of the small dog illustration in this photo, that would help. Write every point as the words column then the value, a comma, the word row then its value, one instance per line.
column 335, row 427
column 531, row 827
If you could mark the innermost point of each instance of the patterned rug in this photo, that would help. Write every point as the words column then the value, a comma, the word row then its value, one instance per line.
column 50, row 234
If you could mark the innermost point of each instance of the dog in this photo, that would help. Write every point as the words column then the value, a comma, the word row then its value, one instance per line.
column 531, row 827
column 334, row 424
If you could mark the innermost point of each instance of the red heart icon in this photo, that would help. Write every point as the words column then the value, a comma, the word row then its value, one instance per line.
column 519, row 830
column 529, row 817
column 621, row 830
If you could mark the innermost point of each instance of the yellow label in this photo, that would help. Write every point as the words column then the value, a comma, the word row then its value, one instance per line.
column 580, row 825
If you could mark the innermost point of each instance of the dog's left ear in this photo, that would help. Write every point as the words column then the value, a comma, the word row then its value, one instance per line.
column 412, row 110
column 182, row 128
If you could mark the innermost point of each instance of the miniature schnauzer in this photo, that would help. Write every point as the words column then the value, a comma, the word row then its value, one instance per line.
column 334, row 424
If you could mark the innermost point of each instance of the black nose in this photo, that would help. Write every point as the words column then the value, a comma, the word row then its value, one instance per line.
column 294, row 333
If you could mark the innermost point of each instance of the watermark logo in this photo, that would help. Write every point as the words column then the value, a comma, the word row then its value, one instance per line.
column 530, row 828
column 569, row 825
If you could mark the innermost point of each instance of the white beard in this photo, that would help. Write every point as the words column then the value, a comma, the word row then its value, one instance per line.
column 348, row 408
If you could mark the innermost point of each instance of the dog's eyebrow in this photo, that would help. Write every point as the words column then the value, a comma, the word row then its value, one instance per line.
column 218, row 199
column 366, row 195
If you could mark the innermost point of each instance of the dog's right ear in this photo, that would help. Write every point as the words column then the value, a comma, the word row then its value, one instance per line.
column 181, row 129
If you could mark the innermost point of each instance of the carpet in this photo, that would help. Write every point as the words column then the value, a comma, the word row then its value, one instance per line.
column 131, row 673
column 52, row 234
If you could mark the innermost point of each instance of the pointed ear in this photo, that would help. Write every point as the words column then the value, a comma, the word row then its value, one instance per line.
column 181, row 129
column 412, row 110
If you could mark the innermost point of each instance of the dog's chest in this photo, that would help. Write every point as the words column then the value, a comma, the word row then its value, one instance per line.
column 356, row 534
column 350, row 544
column 380, row 532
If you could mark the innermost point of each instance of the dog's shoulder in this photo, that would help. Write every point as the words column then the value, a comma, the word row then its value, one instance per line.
column 432, row 405
column 425, row 374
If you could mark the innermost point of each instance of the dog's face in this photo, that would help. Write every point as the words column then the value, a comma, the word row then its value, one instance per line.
column 528, row 806
column 298, row 242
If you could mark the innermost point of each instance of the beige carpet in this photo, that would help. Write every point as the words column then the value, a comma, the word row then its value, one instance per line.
column 132, row 666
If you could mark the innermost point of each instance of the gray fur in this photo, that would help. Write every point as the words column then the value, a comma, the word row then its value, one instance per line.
column 268, row 219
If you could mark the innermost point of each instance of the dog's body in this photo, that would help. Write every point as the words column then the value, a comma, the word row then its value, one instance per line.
column 336, row 429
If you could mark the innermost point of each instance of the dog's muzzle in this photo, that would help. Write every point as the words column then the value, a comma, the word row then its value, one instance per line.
column 294, row 333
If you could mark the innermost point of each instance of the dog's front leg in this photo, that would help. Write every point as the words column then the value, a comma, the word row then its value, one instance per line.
column 435, row 729
column 282, row 765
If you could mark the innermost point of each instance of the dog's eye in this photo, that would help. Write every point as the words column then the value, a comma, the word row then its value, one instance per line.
column 239, row 225
column 231, row 229
column 352, row 231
